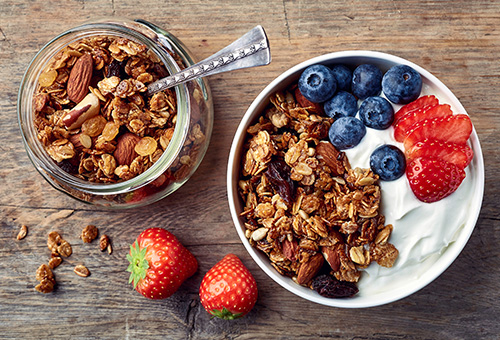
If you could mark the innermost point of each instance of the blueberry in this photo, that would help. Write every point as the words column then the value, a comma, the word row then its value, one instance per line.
column 388, row 162
column 366, row 81
column 343, row 75
column 317, row 83
column 376, row 112
column 342, row 104
column 402, row 84
column 346, row 132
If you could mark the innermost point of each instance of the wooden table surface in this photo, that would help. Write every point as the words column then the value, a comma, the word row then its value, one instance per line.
column 457, row 41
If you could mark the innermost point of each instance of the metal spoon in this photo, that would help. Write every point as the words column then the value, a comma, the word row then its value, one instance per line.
column 251, row 50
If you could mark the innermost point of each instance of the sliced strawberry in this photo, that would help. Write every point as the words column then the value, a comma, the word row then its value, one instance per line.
column 458, row 154
column 454, row 129
column 403, row 126
column 432, row 180
column 416, row 104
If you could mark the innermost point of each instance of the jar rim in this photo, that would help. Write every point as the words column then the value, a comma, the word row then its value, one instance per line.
column 37, row 154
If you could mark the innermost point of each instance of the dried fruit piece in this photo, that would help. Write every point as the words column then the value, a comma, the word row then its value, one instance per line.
column 330, row 287
column 23, row 231
column 85, row 140
column 146, row 146
column 81, row 270
column 110, row 131
column 47, row 78
column 89, row 233
column 79, row 78
column 278, row 174
column 94, row 126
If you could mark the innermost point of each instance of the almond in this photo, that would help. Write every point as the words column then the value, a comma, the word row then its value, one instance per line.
column 332, row 157
column 290, row 249
column 310, row 268
column 79, row 78
column 124, row 153
column 331, row 255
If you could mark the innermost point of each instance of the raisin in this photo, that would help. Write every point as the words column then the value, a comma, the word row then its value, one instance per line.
column 329, row 287
column 278, row 174
column 68, row 166
column 115, row 69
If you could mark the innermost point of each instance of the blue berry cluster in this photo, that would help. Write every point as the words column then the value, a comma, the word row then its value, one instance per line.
column 339, row 90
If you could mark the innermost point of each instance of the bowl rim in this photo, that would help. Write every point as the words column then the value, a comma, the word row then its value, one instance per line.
column 437, row 268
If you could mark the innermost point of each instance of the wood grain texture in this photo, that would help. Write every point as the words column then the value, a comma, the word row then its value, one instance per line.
column 457, row 41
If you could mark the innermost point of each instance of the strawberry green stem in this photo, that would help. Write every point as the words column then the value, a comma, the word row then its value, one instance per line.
column 138, row 263
column 225, row 314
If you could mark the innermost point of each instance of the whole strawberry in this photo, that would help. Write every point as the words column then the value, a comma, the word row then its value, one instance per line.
column 159, row 263
column 228, row 290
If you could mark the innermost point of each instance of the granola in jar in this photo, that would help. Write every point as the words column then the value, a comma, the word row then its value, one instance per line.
column 92, row 113
column 316, row 218
column 91, row 130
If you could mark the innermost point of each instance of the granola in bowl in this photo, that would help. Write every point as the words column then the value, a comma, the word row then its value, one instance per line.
column 314, row 216
column 397, row 244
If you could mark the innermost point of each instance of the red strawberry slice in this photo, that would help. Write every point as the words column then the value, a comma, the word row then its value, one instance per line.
column 423, row 101
column 458, row 154
column 432, row 180
column 402, row 127
column 454, row 129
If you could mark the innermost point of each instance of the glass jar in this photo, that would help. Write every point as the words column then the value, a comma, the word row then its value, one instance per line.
column 180, row 158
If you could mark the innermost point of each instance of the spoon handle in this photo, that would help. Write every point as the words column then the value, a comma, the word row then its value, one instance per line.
column 251, row 50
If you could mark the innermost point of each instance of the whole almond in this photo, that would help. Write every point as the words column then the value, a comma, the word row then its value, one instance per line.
column 124, row 153
column 331, row 156
column 79, row 78
column 309, row 269
column 331, row 254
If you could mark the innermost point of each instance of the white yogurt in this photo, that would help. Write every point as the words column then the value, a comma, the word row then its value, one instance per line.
column 422, row 231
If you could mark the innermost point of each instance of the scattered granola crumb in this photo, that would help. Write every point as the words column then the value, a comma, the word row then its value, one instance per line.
column 89, row 233
column 55, row 261
column 57, row 245
column 81, row 270
column 46, row 277
column 104, row 242
column 23, row 231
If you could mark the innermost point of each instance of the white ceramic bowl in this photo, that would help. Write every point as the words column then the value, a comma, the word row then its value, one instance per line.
column 406, row 285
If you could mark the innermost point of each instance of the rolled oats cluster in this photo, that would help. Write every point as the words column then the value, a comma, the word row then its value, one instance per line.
column 92, row 113
column 316, row 218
